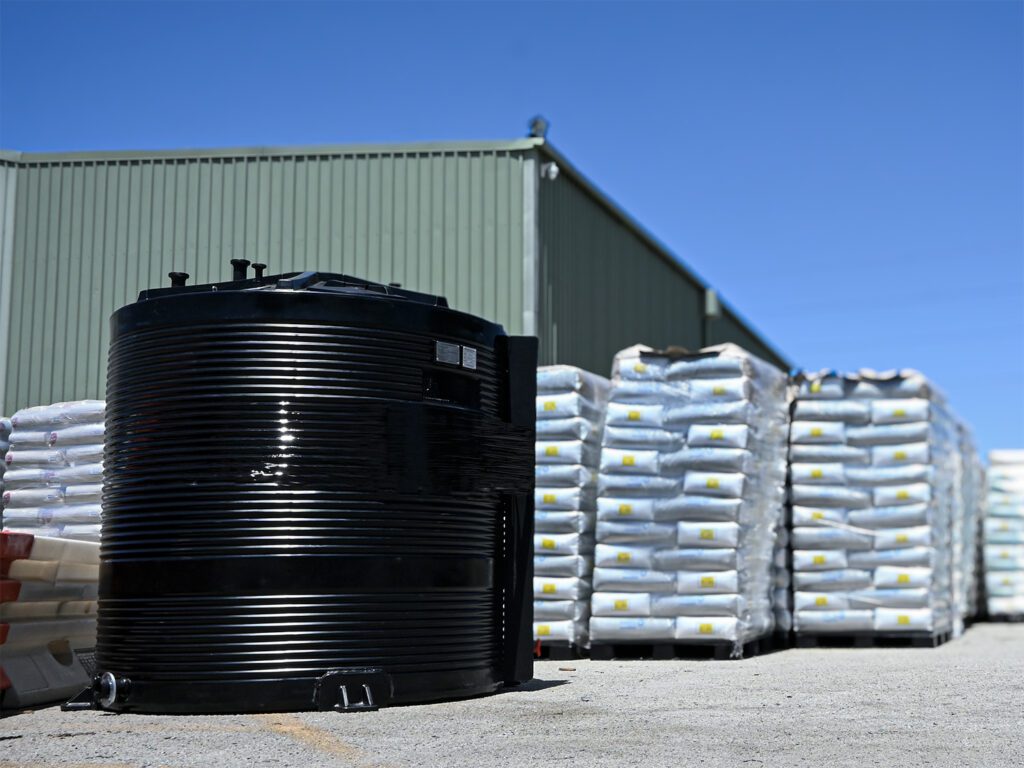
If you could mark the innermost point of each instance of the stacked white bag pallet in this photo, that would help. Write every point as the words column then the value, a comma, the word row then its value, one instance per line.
column 570, row 403
column 47, row 618
column 1004, row 535
column 690, row 496
column 874, row 461
column 54, row 470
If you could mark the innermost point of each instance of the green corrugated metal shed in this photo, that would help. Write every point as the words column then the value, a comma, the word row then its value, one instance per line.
column 489, row 225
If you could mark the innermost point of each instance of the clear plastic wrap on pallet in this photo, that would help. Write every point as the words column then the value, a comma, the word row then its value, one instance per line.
column 967, row 535
column 879, row 495
column 782, row 581
column 5, row 443
column 690, row 497
column 53, row 476
column 1004, row 535
column 570, row 405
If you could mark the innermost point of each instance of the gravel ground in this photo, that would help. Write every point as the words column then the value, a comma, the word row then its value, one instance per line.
column 958, row 705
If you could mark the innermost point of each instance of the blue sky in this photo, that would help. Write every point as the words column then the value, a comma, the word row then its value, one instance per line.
column 850, row 175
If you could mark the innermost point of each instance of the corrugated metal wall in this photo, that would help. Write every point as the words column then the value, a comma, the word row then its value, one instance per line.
column 729, row 327
column 90, row 234
column 603, row 287
column 8, row 194
column 90, row 231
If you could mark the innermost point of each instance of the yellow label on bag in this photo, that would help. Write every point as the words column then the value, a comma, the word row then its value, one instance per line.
column 718, row 390
column 902, row 619
column 550, row 405
column 717, row 434
column 899, row 413
column 640, row 368
column 707, row 533
column 1007, row 582
column 551, row 450
column 547, row 543
column 817, row 473
column 821, row 600
column 1004, row 526
column 817, row 432
column 706, row 629
column 819, row 560
column 902, row 538
column 817, row 515
column 634, row 415
column 815, row 386
column 1004, row 554
column 902, row 495
column 622, row 605
column 549, row 498
column 548, row 589
column 899, row 455
column 624, row 557
column 625, row 509
column 707, row 581
column 543, row 630
column 712, row 482
column 629, row 461
column 903, row 578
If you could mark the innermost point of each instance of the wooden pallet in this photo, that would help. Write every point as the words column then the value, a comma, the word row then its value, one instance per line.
column 1002, row 618
column 781, row 641
column 558, row 651
column 872, row 639
column 719, row 650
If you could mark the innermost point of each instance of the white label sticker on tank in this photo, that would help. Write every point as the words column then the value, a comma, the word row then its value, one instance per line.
column 446, row 353
column 469, row 358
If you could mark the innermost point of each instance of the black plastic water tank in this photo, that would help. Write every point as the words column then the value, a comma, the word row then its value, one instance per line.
column 318, row 495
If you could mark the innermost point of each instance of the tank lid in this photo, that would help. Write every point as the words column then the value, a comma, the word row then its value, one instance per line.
column 313, row 282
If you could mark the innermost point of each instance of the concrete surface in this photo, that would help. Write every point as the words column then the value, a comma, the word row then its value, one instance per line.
column 958, row 705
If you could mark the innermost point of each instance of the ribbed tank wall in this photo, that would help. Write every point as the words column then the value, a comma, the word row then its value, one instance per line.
column 298, row 489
